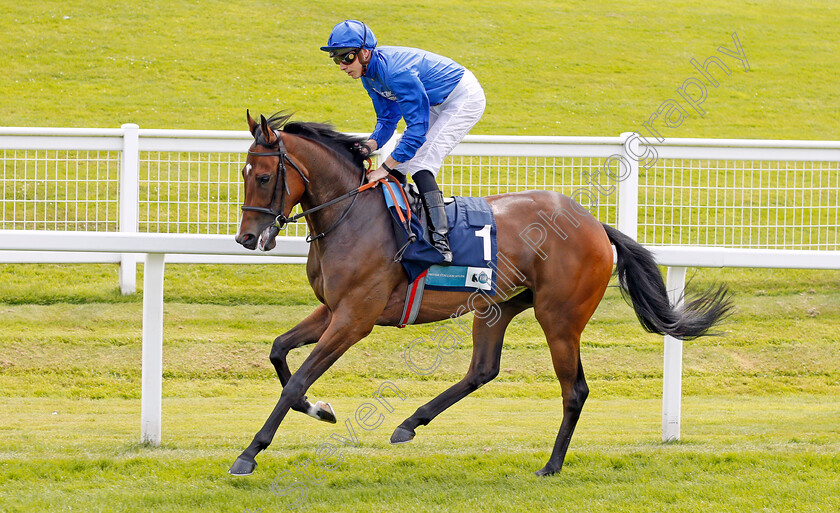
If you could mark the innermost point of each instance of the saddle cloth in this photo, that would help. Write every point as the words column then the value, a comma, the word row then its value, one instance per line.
column 472, row 238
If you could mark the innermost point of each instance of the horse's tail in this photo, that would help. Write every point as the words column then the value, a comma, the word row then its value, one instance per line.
column 643, row 288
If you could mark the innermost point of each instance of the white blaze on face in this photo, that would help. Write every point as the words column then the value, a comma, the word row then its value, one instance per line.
column 247, row 170
column 239, row 231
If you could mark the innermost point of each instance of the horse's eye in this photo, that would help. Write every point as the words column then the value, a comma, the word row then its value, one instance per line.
column 263, row 179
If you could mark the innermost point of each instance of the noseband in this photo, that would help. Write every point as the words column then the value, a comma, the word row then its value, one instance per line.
column 280, row 219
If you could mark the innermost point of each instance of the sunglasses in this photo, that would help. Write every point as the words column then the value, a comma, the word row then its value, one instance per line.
column 346, row 58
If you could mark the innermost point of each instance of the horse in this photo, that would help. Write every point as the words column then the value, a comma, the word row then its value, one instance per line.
column 353, row 273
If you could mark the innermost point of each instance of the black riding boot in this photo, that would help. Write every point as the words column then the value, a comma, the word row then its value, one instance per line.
column 438, row 224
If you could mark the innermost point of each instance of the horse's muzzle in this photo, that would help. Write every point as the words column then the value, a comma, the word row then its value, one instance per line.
column 267, row 238
column 247, row 240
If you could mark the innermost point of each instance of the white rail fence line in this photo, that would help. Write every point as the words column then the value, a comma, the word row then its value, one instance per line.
column 155, row 247
column 112, row 195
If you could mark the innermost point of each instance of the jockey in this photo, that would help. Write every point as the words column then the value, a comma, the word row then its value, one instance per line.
column 439, row 99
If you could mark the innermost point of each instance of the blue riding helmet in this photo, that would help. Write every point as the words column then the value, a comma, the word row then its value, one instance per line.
column 350, row 34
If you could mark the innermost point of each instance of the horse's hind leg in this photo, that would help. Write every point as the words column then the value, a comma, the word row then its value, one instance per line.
column 564, row 344
column 308, row 331
column 488, row 335
column 574, row 395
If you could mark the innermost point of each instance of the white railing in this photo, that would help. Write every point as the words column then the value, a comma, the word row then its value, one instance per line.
column 112, row 195
column 155, row 247
column 698, row 192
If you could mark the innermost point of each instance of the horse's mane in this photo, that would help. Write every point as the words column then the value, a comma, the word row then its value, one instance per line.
column 343, row 144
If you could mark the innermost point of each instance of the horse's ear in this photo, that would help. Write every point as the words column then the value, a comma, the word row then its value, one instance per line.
column 252, row 125
column 268, row 133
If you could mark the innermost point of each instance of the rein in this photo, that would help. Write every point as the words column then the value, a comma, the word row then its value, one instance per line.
column 280, row 220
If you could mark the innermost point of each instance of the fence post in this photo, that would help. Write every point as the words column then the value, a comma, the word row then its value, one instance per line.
column 129, row 202
column 672, row 366
column 628, row 184
column 152, row 371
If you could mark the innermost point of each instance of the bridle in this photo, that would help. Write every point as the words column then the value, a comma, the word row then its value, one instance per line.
column 280, row 219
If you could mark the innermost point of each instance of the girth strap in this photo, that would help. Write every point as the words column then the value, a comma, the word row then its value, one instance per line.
column 413, row 299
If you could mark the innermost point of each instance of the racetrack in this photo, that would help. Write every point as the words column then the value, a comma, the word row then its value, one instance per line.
column 760, row 411
column 760, row 416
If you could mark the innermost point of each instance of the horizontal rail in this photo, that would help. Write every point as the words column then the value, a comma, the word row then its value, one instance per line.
column 182, row 248
column 497, row 139
column 70, row 257
column 768, row 153
column 149, row 243
column 748, row 143
column 60, row 132
column 16, row 138
column 63, row 143
column 693, row 256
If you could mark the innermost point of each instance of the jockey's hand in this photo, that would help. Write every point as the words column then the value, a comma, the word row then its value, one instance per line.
column 377, row 174
column 363, row 149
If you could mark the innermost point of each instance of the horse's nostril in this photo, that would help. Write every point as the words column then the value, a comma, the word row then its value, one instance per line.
column 248, row 240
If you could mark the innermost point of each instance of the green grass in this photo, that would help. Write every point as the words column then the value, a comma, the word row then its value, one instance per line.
column 760, row 408
column 737, row 454
column 549, row 68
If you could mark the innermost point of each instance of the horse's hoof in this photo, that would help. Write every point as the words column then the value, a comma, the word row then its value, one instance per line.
column 402, row 435
column 242, row 467
column 324, row 411
column 545, row 471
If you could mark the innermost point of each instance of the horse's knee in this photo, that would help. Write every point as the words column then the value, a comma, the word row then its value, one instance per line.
column 277, row 358
column 279, row 351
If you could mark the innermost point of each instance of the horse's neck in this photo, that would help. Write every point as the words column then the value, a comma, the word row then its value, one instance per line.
column 329, row 177
column 359, row 227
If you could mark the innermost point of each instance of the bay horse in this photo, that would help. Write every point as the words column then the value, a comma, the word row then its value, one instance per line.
column 352, row 272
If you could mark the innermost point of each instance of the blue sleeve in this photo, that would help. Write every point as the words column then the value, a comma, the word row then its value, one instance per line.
column 387, row 116
column 414, row 105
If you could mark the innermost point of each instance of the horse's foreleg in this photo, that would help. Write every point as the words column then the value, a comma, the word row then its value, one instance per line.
column 308, row 331
column 488, row 336
column 337, row 338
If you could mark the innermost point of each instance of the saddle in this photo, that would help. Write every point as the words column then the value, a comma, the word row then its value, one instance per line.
column 472, row 238
column 415, row 204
